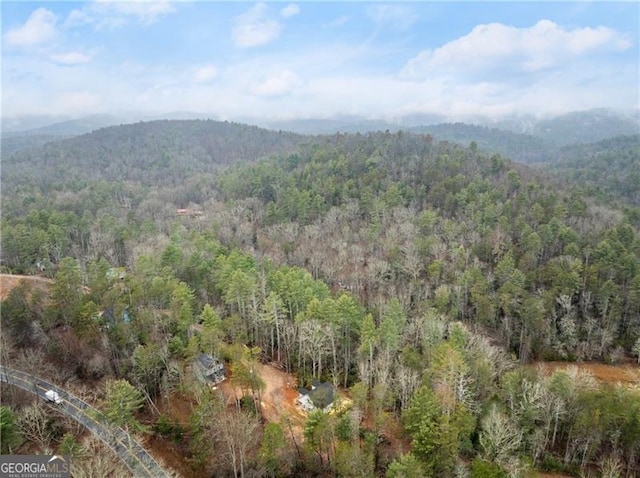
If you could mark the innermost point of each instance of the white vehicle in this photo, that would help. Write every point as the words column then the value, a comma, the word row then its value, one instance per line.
column 53, row 396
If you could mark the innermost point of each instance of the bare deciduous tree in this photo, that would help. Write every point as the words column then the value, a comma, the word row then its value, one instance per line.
column 500, row 438
column 236, row 432
column 37, row 426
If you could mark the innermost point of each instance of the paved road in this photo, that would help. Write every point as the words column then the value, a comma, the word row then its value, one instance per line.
column 137, row 459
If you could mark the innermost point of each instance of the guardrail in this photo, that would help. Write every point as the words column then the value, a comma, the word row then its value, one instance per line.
column 127, row 448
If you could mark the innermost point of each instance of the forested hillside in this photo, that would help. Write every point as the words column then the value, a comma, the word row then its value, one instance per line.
column 13, row 143
column 158, row 153
column 520, row 147
column 609, row 168
column 487, row 240
column 416, row 275
column 586, row 126
column 69, row 127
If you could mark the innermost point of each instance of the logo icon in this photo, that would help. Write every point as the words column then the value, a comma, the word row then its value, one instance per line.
column 57, row 457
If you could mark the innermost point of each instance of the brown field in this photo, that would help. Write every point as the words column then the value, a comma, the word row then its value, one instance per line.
column 625, row 373
column 9, row 281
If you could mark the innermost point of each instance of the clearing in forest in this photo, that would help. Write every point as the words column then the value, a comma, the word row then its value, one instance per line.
column 278, row 399
column 624, row 373
column 8, row 282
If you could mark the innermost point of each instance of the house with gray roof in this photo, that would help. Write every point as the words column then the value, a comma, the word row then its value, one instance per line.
column 209, row 369
column 321, row 396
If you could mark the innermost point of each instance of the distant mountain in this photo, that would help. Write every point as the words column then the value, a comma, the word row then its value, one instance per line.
column 158, row 152
column 312, row 126
column 20, row 133
column 528, row 140
column 577, row 127
column 421, row 119
column 13, row 141
column 610, row 167
column 18, row 124
column 523, row 138
column 69, row 127
column 519, row 147
column 349, row 124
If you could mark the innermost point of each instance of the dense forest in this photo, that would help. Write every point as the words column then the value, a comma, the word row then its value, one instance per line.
column 418, row 276
column 583, row 127
column 607, row 168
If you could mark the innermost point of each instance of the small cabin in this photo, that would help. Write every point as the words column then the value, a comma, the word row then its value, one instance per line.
column 321, row 396
column 209, row 369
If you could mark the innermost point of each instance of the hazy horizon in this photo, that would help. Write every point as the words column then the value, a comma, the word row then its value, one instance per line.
column 318, row 60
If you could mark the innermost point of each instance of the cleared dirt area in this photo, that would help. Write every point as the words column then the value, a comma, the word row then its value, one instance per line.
column 278, row 399
column 626, row 373
column 8, row 282
column 177, row 407
column 279, row 395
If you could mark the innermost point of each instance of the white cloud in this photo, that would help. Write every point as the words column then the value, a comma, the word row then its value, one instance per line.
column 255, row 28
column 496, row 46
column 587, row 39
column 290, row 10
column 114, row 14
column 39, row 28
column 145, row 12
column 205, row 74
column 494, row 70
column 232, row 95
column 77, row 18
column 76, row 102
column 394, row 17
column 71, row 58
column 280, row 84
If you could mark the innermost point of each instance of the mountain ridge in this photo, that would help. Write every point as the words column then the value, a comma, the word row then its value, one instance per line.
column 138, row 151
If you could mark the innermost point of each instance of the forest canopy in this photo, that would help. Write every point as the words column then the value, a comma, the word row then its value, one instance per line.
column 414, row 274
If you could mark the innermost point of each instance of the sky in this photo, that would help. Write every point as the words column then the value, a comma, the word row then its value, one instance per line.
column 285, row 60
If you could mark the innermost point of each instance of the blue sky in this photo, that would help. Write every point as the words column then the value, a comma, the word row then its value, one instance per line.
column 318, row 59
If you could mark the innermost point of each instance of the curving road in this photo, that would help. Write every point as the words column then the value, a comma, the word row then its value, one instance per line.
column 137, row 459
